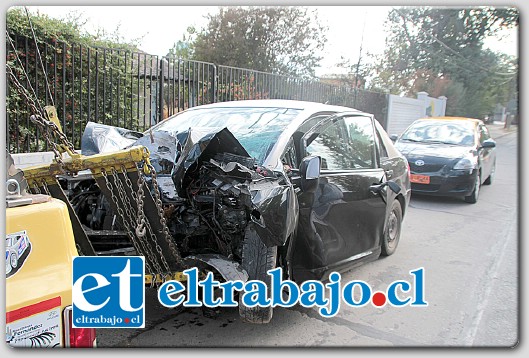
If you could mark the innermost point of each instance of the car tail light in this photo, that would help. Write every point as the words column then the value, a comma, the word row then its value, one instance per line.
column 77, row 337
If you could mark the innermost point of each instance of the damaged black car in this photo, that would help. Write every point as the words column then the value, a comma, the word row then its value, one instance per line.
column 248, row 186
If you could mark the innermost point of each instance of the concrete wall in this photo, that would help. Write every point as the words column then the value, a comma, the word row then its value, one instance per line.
column 402, row 111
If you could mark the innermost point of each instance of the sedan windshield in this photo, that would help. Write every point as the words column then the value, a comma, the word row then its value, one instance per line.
column 455, row 133
column 256, row 128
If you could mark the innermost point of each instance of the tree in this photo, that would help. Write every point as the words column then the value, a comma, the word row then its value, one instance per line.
column 284, row 40
column 68, row 76
column 357, row 73
column 440, row 50
column 184, row 48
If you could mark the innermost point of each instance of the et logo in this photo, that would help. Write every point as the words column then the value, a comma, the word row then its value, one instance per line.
column 108, row 292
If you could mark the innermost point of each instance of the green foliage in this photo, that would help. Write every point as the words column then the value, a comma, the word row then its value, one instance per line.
column 68, row 29
column 246, row 87
column 283, row 40
column 77, row 70
column 357, row 73
column 440, row 50
column 184, row 48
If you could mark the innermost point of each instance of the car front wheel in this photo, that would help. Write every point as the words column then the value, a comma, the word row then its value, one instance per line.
column 473, row 197
column 393, row 228
column 490, row 179
column 257, row 259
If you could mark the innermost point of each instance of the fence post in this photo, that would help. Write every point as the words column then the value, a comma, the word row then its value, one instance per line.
column 214, row 85
column 160, row 91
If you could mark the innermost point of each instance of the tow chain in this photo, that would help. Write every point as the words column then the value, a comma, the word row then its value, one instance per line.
column 142, row 218
column 44, row 186
column 134, row 220
column 159, row 207
column 127, row 225
column 141, row 222
column 49, row 129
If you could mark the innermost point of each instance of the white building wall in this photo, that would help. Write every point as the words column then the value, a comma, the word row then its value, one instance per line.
column 402, row 111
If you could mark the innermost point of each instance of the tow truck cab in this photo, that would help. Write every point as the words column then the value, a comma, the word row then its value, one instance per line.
column 39, row 275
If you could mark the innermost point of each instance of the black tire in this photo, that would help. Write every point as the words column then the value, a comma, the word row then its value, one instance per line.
column 473, row 197
column 490, row 179
column 391, row 237
column 257, row 259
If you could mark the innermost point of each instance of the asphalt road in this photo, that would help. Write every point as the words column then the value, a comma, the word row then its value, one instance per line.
column 470, row 257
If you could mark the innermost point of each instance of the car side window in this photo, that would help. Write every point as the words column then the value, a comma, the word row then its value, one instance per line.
column 289, row 157
column 293, row 152
column 383, row 152
column 347, row 143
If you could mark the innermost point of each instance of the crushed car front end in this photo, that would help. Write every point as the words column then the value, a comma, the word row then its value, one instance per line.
column 211, row 193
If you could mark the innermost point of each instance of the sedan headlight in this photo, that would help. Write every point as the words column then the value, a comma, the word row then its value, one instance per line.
column 469, row 163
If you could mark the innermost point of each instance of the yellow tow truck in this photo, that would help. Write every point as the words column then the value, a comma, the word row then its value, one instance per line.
column 40, row 247
column 43, row 235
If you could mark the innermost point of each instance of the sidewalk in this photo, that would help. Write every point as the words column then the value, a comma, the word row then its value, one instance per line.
column 497, row 129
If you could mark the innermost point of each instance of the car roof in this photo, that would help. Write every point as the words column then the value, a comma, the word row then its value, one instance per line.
column 307, row 109
column 286, row 103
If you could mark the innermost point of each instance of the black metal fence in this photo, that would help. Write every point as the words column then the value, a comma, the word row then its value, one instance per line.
column 136, row 90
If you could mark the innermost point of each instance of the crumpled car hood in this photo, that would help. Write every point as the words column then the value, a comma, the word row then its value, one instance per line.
column 174, row 155
column 182, row 155
column 200, row 145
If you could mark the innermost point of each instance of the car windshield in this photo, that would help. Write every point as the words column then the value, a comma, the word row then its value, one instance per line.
column 256, row 128
column 454, row 133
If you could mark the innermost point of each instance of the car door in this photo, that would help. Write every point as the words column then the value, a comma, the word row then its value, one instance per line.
column 343, row 219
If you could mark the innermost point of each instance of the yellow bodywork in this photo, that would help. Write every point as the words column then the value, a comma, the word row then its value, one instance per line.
column 95, row 163
column 127, row 158
column 474, row 120
column 46, row 272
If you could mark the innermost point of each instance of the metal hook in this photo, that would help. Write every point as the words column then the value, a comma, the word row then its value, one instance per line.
column 10, row 182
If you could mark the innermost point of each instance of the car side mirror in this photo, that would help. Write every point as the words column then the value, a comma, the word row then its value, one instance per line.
column 489, row 143
column 394, row 138
column 309, row 171
column 377, row 188
column 394, row 187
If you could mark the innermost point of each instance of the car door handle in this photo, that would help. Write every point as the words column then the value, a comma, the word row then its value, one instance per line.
column 389, row 173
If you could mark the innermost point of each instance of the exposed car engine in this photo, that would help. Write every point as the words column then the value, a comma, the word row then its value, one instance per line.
column 211, row 218
column 217, row 208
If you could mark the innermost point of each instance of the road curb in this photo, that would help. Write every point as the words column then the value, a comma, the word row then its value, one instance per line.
column 499, row 131
column 505, row 134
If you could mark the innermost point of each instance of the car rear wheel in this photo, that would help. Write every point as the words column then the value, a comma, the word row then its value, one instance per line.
column 473, row 198
column 257, row 259
column 490, row 179
column 392, row 233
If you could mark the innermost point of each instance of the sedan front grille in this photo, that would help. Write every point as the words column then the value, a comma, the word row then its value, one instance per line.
column 426, row 168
